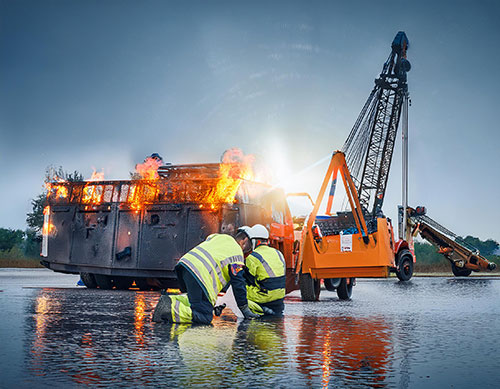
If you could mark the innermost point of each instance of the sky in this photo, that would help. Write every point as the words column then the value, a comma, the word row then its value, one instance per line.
column 102, row 84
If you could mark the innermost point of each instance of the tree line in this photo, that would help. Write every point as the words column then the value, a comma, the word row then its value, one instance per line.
column 19, row 244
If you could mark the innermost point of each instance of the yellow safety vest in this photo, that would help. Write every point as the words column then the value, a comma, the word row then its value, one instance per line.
column 208, row 262
column 267, row 265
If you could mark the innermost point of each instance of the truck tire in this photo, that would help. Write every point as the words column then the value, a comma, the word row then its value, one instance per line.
column 122, row 283
column 404, row 269
column 460, row 272
column 331, row 284
column 344, row 290
column 88, row 280
column 103, row 281
column 309, row 287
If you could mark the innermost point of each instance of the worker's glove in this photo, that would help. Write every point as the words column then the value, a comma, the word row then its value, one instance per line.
column 247, row 313
column 267, row 311
column 218, row 309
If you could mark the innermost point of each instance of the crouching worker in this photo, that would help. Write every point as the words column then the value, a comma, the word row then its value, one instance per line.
column 203, row 272
column 265, row 274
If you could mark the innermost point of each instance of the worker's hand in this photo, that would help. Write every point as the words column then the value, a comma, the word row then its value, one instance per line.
column 247, row 313
column 267, row 311
column 218, row 309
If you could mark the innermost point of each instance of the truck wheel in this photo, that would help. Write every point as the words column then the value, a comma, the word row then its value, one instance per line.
column 122, row 283
column 309, row 287
column 404, row 270
column 331, row 284
column 344, row 291
column 88, row 280
column 103, row 281
column 460, row 272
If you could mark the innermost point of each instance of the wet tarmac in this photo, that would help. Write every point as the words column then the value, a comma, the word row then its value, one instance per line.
column 429, row 332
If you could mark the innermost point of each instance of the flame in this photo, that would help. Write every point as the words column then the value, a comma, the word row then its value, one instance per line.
column 62, row 191
column 206, row 187
column 55, row 185
column 92, row 194
column 235, row 167
column 96, row 176
column 48, row 228
column 148, row 170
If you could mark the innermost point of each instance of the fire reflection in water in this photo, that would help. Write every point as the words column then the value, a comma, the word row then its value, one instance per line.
column 139, row 315
column 345, row 349
column 86, row 374
column 45, row 311
column 77, row 337
column 83, row 337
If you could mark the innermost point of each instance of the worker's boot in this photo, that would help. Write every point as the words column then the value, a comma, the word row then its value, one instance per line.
column 163, row 310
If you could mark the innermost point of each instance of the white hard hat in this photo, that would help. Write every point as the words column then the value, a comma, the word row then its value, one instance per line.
column 258, row 231
column 246, row 230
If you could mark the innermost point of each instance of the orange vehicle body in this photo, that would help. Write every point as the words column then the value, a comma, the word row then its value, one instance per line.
column 367, row 254
column 325, row 259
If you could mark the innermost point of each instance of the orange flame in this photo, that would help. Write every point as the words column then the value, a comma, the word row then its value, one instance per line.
column 48, row 228
column 96, row 176
column 53, row 185
column 148, row 170
column 146, row 187
column 62, row 191
column 92, row 194
column 235, row 167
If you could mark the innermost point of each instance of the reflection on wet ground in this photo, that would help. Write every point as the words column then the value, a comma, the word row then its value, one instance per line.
column 428, row 332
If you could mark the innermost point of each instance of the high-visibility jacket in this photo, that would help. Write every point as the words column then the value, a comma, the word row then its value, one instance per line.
column 266, row 267
column 208, row 262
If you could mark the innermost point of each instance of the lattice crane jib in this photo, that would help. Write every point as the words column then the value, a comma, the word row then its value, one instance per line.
column 370, row 144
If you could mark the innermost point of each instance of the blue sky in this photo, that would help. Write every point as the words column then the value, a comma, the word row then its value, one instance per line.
column 104, row 83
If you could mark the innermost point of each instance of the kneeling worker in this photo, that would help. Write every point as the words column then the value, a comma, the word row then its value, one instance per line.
column 265, row 274
column 203, row 272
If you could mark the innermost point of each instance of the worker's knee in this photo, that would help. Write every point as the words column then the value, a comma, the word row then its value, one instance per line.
column 202, row 317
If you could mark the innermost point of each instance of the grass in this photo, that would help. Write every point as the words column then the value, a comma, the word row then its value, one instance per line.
column 444, row 269
column 20, row 262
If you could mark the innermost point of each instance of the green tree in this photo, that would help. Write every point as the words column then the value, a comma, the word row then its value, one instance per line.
column 32, row 243
column 10, row 238
column 486, row 247
column 34, row 219
column 427, row 254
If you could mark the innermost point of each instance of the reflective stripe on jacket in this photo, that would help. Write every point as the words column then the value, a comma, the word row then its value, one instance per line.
column 267, row 266
column 208, row 262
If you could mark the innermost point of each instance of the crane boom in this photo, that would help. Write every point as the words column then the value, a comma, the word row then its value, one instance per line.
column 370, row 144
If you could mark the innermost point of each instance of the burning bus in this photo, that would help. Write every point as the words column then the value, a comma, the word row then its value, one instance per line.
column 115, row 233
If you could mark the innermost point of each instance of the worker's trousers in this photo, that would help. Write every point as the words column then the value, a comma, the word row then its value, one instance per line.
column 200, row 305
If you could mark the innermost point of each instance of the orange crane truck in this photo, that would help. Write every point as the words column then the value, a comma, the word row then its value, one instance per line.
column 339, row 247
